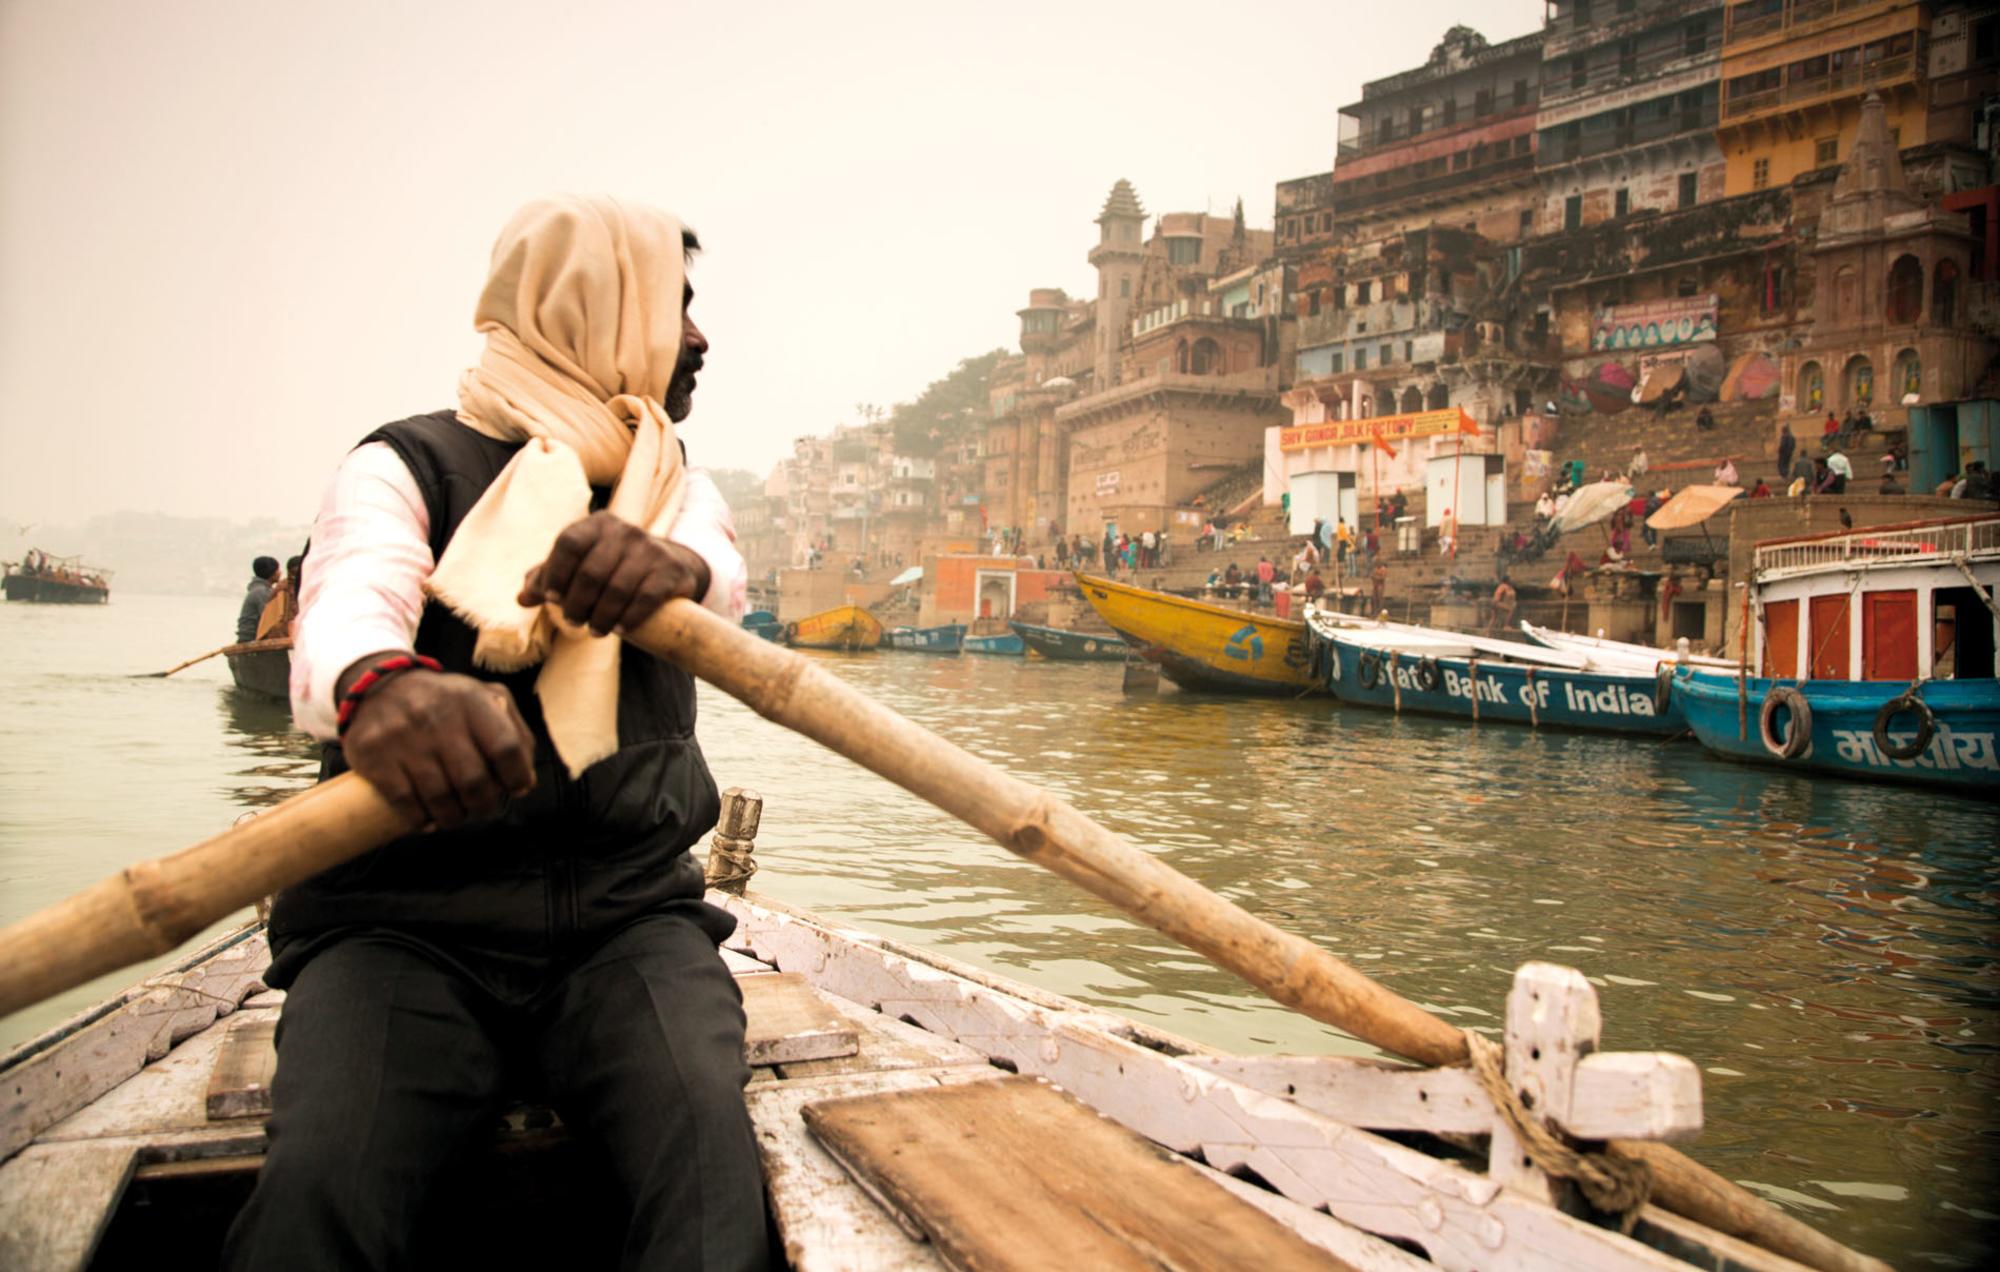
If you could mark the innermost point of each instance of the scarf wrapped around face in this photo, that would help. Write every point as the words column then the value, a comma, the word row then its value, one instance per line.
column 582, row 317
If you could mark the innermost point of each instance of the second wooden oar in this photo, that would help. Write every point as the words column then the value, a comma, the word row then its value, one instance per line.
column 149, row 908
column 241, row 647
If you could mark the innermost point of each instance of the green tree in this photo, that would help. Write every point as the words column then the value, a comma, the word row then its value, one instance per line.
column 946, row 408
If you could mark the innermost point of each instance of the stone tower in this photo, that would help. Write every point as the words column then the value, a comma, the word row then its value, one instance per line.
column 1119, row 252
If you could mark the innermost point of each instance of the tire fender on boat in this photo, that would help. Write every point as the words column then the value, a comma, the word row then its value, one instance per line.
column 1799, row 736
column 1926, row 727
column 1427, row 676
column 1368, row 670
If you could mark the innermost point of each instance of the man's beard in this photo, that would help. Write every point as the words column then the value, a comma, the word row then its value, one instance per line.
column 680, row 390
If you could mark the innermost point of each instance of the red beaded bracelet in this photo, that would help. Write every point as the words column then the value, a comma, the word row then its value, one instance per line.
column 374, row 676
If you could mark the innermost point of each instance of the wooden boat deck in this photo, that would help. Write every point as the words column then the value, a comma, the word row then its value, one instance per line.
column 142, row 1121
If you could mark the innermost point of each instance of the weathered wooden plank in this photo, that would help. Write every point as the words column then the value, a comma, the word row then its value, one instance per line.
column 1552, row 1022
column 56, row 1201
column 1350, row 1244
column 743, row 964
column 168, row 1095
column 1014, row 1174
column 239, row 1084
column 788, row 1022
column 826, row 1221
column 883, row 1043
column 51, row 1077
column 1614, row 1095
column 1460, row 1219
column 1685, row 1239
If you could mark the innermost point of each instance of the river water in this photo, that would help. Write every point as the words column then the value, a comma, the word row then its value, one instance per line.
column 1823, row 950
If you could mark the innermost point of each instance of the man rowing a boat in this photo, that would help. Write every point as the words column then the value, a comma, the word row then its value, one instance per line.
column 545, row 935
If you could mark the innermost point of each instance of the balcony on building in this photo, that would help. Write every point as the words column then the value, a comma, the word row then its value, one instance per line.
column 1572, row 26
column 1788, row 56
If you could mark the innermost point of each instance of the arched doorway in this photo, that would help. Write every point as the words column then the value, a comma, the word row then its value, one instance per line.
column 1906, row 290
column 1439, row 399
column 1206, row 358
column 1181, row 357
column 1413, row 400
column 1858, row 381
column 1812, row 388
column 1846, row 292
column 1944, row 294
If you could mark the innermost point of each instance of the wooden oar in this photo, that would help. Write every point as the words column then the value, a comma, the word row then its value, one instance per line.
column 243, row 647
column 151, row 907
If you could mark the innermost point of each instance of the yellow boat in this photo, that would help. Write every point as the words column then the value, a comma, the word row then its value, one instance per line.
column 1203, row 646
column 845, row 627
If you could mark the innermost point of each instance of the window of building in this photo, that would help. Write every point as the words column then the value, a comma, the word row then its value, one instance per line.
column 1579, row 73
column 1524, row 143
column 1696, row 39
column 1335, row 363
column 1582, row 11
column 1527, row 219
column 1690, row 187
column 1416, row 120
column 1777, row 288
column 1628, row 58
column 1812, row 387
column 1520, row 92
column 1482, row 102
column 1413, row 400
column 1312, row 304
column 1573, row 212
column 1760, row 174
column 1450, row 110
column 1187, row 251
column 1363, row 291
column 1626, row 6
column 1360, row 359
column 1944, row 294
column 1906, row 289
column 1621, row 202
column 1125, row 288
column 1826, row 152
column 1688, row 285
column 1385, row 355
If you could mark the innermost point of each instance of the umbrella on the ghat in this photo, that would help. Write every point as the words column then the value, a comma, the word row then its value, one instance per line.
column 1609, row 387
column 1660, row 381
column 1592, row 504
column 1705, row 370
column 1692, row 506
column 1753, row 378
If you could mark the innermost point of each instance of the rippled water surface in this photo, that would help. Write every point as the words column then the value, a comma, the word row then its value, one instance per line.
column 1823, row 950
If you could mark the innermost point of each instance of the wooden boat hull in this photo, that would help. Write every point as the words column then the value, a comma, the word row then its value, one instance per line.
column 1002, row 644
column 945, row 639
column 174, row 1075
column 37, row 589
column 845, row 627
column 1203, row 646
column 1396, row 680
column 1962, row 756
column 267, row 672
column 1062, row 646
column 764, row 623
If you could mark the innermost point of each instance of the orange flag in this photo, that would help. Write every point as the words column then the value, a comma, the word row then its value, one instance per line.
column 1466, row 424
column 1382, row 444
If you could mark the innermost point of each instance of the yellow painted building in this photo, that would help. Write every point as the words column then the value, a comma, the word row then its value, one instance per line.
column 1794, row 75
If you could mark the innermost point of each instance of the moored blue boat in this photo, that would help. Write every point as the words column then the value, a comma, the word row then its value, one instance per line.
column 1841, row 726
column 944, row 639
column 1053, row 642
column 764, row 623
column 1006, row 644
column 1439, row 676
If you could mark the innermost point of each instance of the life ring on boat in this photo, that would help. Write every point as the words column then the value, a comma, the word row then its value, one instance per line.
column 1663, row 688
column 1798, row 736
column 1427, row 675
column 1368, row 670
column 1926, row 727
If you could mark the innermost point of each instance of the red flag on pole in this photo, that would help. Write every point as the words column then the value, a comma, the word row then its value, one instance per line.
column 1466, row 424
column 1382, row 444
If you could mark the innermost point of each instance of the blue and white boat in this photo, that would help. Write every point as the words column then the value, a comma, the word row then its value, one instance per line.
column 944, row 639
column 1399, row 667
column 1005, row 644
column 764, row 623
column 1875, row 653
column 1063, row 646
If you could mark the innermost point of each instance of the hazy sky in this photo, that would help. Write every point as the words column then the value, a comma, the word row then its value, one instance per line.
column 235, row 236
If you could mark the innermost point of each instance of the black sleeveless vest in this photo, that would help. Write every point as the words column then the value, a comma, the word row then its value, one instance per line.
column 564, row 866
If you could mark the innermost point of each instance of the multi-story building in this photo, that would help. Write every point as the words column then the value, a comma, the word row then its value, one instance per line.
column 1794, row 73
column 1630, row 91
column 1451, row 142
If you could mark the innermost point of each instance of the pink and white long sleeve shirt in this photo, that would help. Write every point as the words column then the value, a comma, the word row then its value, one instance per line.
column 364, row 582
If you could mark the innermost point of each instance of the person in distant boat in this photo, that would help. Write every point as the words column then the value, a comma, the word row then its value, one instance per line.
column 275, row 623
column 547, row 926
column 263, row 583
column 1503, row 606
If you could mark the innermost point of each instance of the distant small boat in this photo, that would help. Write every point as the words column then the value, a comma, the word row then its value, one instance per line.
column 1204, row 646
column 1607, row 652
column 1004, row 644
column 764, row 623
column 43, row 579
column 843, row 627
column 945, row 639
column 266, row 672
column 1053, row 642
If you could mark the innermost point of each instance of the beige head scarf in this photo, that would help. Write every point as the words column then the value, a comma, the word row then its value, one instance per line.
column 582, row 315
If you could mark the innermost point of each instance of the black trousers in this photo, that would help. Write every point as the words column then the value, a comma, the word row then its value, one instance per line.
column 394, row 1058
